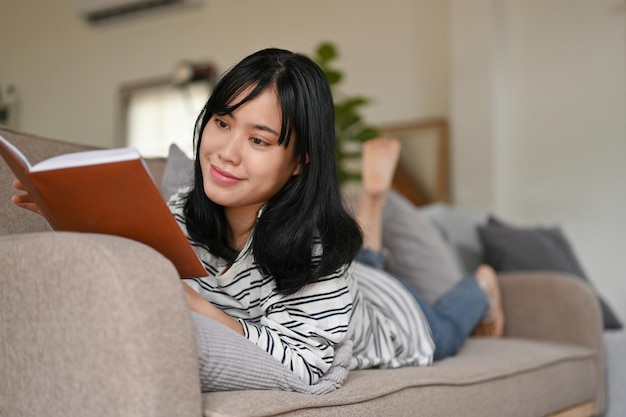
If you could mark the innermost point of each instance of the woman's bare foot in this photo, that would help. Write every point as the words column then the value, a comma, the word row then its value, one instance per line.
column 380, row 158
column 378, row 164
column 492, row 325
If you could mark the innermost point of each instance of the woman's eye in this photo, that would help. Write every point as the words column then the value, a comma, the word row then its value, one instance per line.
column 259, row 142
column 221, row 124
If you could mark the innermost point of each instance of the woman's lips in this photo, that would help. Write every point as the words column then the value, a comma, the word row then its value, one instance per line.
column 223, row 177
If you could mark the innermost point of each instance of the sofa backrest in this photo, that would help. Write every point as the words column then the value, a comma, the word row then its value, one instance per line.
column 36, row 148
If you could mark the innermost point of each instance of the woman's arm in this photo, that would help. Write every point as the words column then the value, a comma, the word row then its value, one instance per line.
column 303, row 330
column 197, row 302
column 201, row 305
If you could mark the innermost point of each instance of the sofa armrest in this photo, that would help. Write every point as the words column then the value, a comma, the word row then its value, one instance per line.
column 550, row 306
column 93, row 325
column 554, row 307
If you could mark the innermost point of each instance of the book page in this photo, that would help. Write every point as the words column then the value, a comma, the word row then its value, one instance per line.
column 86, row 158
column 15, row 151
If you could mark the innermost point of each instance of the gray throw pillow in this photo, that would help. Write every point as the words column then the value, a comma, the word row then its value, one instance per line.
column 508, row 248
column 178, row 172
column 459, row 228
column 417, row 252
column 229, row 362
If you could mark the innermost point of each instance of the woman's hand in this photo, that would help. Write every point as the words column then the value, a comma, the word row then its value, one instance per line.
column 24, row 200
column 201, row 305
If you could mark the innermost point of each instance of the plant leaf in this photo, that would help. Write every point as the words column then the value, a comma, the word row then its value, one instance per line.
column 333, row 76
column 344, row 121
column 350, row 128
column 326, row 52
column 351, row 103
column 366, row 134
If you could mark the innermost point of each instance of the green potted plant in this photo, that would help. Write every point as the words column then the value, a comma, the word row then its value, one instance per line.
column 352, row 130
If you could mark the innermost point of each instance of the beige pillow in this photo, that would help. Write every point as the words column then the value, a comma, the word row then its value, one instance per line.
column 417, row 252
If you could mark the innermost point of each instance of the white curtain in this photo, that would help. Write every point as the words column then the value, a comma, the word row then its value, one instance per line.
column 162, row 115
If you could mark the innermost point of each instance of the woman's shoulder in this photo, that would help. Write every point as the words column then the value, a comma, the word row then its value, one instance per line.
column 177, row 201
column 341, row 281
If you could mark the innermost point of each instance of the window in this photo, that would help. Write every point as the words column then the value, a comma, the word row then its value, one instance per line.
column 160, row 112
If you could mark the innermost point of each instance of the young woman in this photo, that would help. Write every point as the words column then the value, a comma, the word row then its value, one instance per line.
column 266, row 217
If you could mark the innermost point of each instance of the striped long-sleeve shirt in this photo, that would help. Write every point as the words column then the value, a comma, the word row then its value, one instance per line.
column 388, row 327
column 301, row 330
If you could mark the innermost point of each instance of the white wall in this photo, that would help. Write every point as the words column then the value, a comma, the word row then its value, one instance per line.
column 472, row 89
column 543, row 132
column 69, row 72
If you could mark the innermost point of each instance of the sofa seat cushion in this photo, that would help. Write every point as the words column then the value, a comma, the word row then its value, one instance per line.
column 511, row 377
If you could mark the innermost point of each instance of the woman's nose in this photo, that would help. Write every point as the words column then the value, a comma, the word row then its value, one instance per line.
column 230, row 151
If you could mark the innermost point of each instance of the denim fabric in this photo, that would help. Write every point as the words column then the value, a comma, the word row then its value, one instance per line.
column 375, row 259
column 453, row 317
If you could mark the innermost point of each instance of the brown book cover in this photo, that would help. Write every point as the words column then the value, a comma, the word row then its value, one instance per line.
column 108, row 191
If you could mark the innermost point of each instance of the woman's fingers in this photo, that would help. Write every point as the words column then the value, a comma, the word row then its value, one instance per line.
column 17, row 184
column 24, row 200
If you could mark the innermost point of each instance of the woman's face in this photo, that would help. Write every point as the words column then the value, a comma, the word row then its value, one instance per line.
column 243, row 165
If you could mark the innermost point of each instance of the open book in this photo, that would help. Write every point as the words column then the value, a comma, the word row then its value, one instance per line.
column 107, row 191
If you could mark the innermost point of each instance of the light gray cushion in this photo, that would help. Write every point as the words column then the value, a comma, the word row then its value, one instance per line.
column 230, row 362
column 458, row 226
column 178, row 172
column 417, row 252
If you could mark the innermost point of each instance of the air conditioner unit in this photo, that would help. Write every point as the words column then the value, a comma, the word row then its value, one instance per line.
column 99, row 11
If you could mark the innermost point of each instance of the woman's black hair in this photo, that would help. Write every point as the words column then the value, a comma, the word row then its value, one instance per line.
column 309, row 208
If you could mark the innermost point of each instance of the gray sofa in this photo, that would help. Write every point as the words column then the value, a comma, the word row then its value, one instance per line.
column 94, row 325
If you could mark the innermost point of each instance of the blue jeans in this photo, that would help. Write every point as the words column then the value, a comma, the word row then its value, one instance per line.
column 453, row 317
